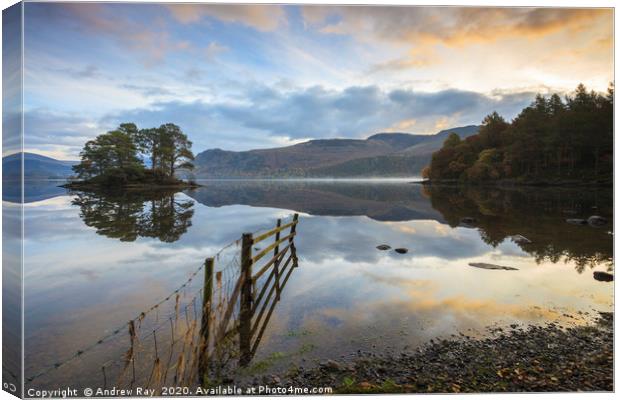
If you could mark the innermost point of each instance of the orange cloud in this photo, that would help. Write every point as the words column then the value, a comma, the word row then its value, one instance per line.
column 453, row 26
column 402, row 126
column 261, row 17
column 417, row 57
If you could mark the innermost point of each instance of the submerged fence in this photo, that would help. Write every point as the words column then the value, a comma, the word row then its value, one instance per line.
column 201, row 332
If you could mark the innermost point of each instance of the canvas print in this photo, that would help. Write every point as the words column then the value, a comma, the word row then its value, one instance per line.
column 268, row 199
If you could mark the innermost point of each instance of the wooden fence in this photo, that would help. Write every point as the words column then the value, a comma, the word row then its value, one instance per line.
column 202, row 331
column 256, row 302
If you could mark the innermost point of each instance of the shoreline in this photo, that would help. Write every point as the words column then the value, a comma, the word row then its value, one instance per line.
column 546, row 358
column 130, row 187
column 514, row 183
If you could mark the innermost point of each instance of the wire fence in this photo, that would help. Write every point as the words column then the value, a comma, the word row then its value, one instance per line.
column 211, row 324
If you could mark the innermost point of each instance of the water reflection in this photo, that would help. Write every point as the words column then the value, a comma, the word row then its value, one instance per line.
column 346, row 296
column 537, row 214
column 128, row 215
column 381, row 201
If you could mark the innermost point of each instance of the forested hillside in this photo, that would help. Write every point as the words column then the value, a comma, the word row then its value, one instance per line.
column 553, row 140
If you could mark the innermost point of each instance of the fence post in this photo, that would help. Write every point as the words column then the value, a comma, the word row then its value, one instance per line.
column 293, row 249
column 277, row 262
column 245, row 308
column 207, row 298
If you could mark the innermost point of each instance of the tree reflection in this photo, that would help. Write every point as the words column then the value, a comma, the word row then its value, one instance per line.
column 128, row 215
column 539, row 215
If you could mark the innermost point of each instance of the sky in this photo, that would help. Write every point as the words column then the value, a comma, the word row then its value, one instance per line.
column 239, row 77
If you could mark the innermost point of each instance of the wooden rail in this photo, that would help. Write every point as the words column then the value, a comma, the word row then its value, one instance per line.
column 237, row 304
column 256, row 305
column 272, row 232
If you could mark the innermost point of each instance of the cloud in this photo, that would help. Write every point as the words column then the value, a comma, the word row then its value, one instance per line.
column 260, row 17
column 57, row 135
column 214, row 49
column 266, row 116
column 147, row 90
column 434, row 39
column 415, row 58
column 149, row 38
column 450, row 26
column 89, row 71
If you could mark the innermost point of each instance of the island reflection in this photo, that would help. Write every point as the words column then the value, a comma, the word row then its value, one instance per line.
column 127, row 215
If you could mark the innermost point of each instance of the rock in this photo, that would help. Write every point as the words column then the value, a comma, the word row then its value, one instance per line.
column 383, row 247
column 520, row 239
column 275, row 379
column 603, row 276
column 468, row 220
column 401, row 250
column 332, row 365
column 577, row 221
column 596, row 220
column 493, row 266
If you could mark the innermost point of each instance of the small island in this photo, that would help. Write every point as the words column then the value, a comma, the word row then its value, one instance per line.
column 552, row 142
column 138, row 159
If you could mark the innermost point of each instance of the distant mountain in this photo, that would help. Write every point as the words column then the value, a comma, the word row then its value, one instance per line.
column 36, row 166
column 380, row 155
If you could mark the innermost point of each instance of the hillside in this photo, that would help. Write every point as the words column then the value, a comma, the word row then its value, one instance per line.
column 556, row 140
column 383, row 154
column 380, row 155
column 36, row 166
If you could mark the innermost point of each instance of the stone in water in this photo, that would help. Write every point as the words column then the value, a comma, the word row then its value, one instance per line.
column 603, row 276
column 520, row 239
column 493, row 266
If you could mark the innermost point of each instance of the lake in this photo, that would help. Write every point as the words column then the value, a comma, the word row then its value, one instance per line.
column 94, row 262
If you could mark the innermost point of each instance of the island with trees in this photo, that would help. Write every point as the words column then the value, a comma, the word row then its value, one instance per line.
column 128, row 157
column 553, row 141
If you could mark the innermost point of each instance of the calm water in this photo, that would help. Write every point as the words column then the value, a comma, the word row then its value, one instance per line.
column 92, row 263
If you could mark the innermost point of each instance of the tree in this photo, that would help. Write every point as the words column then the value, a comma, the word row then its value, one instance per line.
column 112, row 155
column 426, row 172
column 147, row 141
column 493, row 126
column 549, row 139
column 486, row 166
column 452, row 140
column 174, row 149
